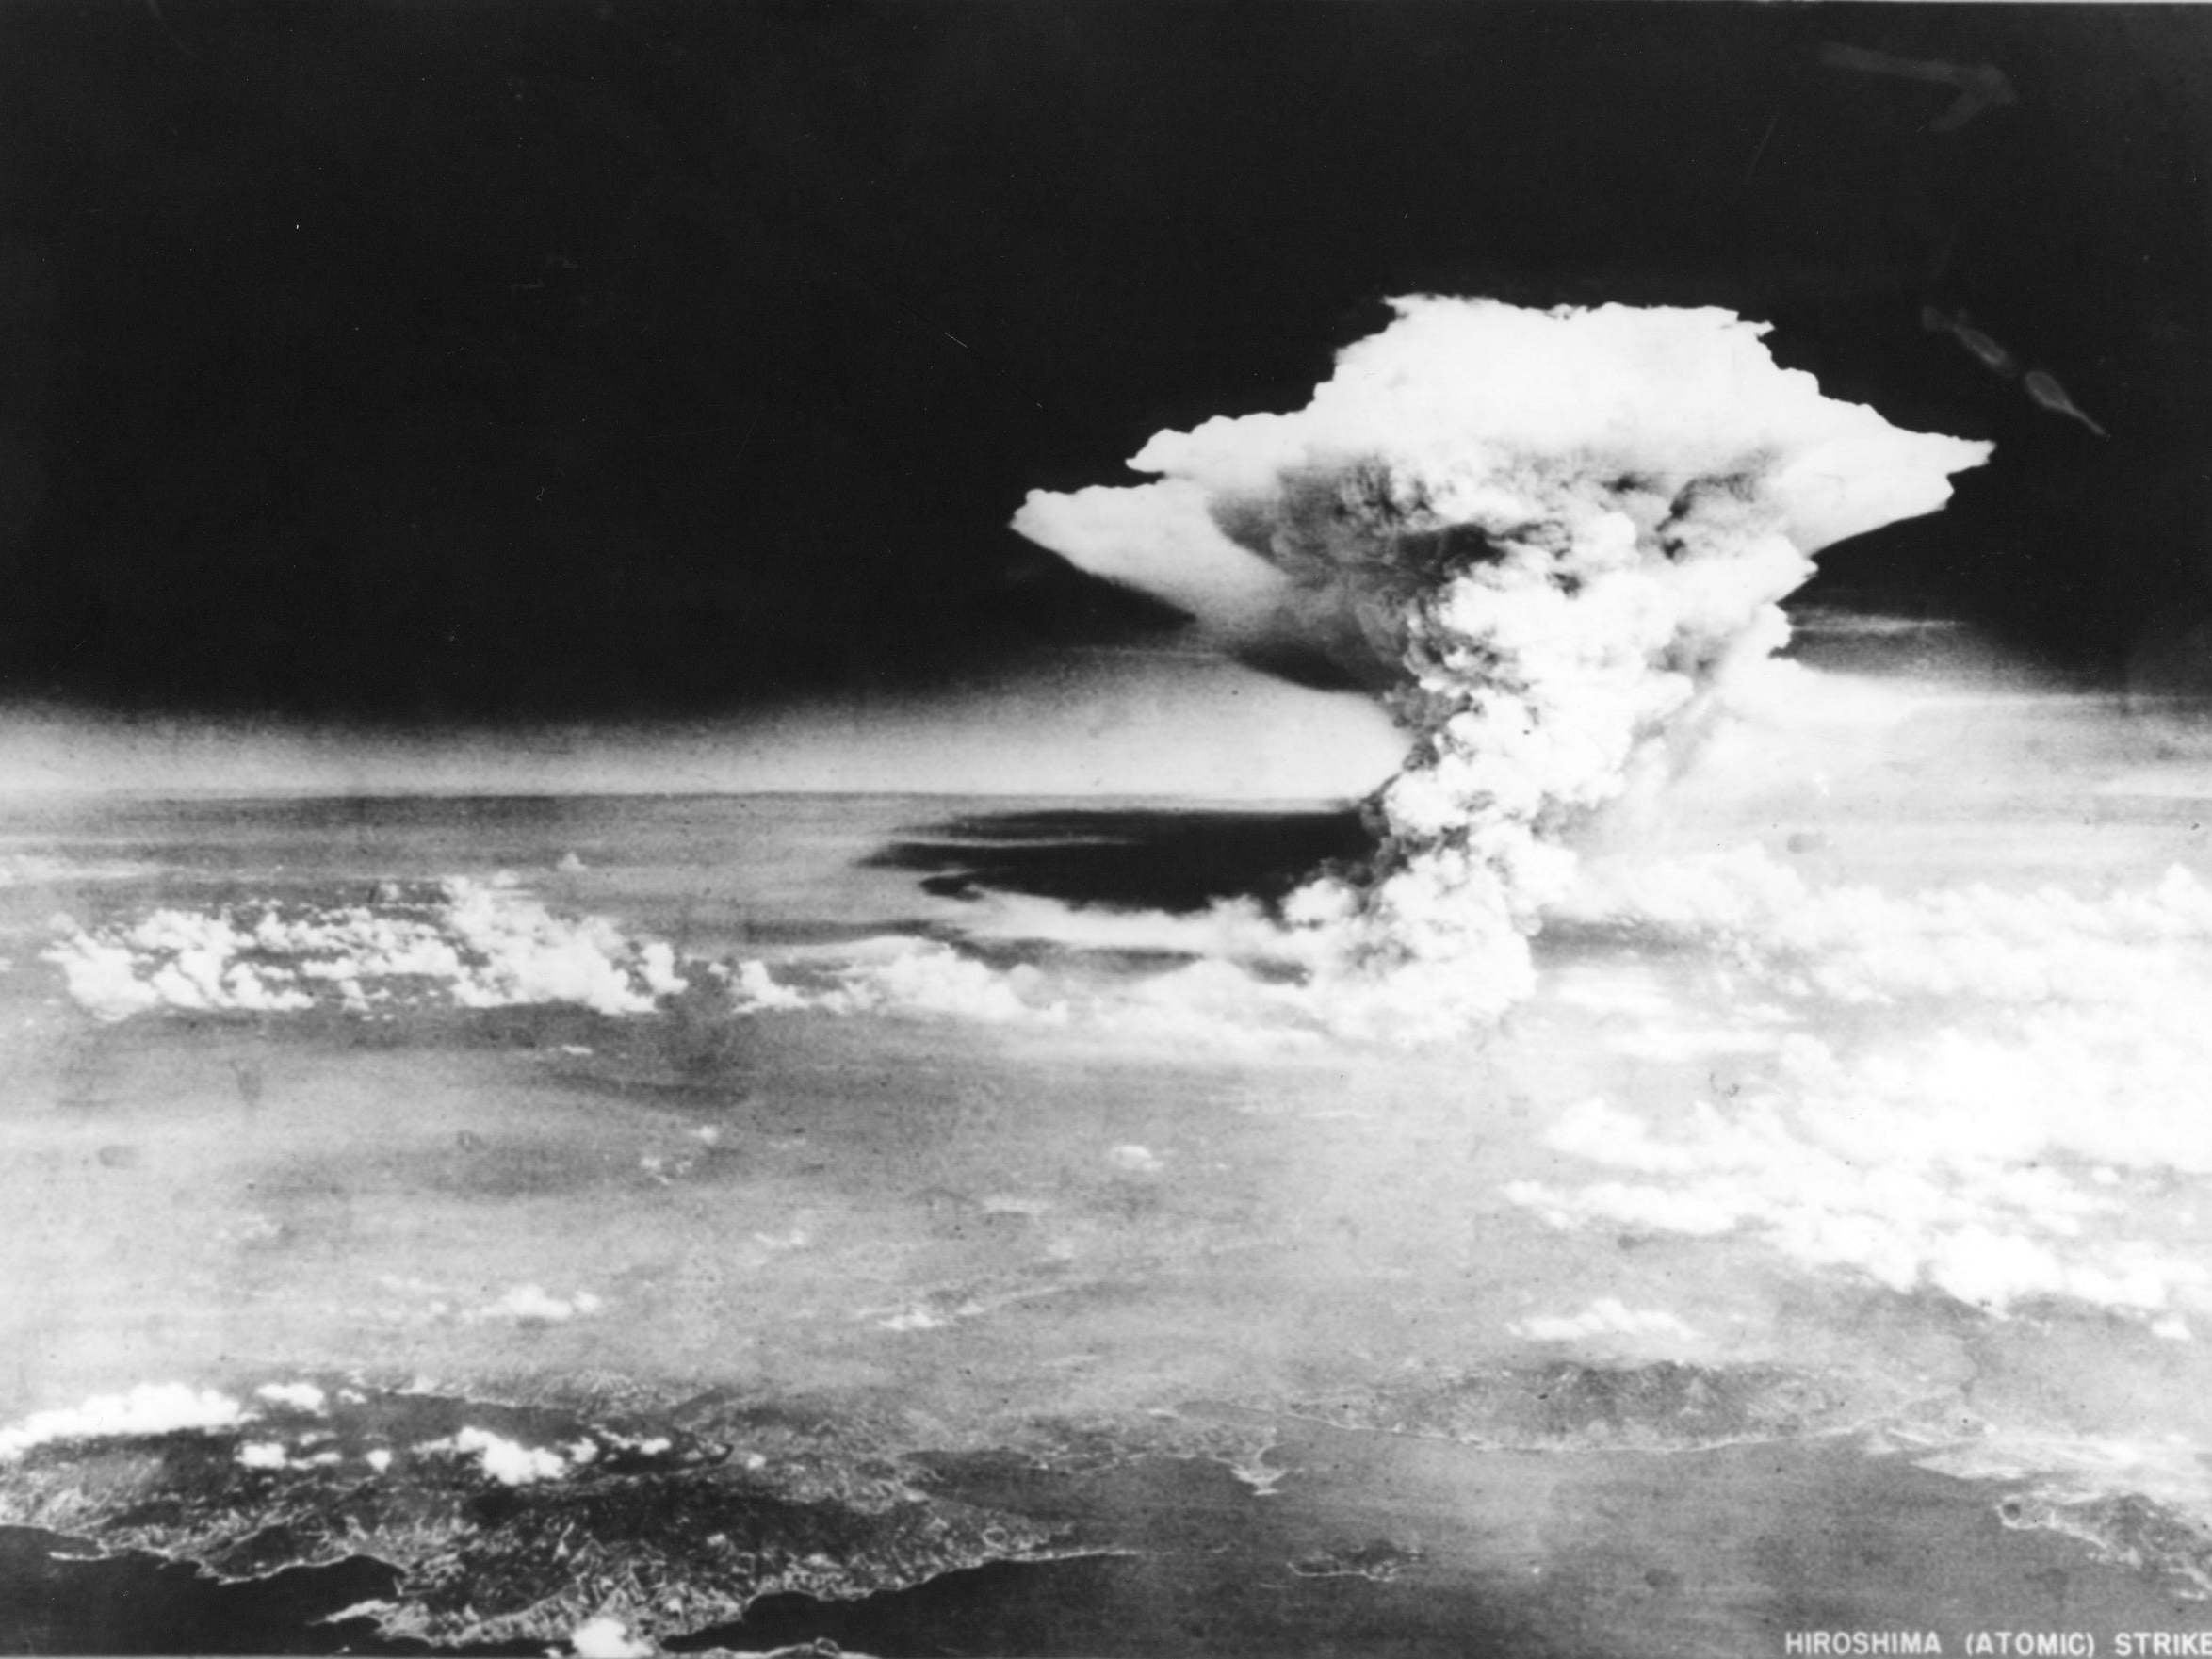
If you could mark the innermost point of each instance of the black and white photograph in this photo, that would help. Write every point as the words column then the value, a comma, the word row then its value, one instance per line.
column 1096, row 829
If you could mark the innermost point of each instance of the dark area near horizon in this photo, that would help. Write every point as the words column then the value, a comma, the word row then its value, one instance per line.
column 420, row 362
column 1128, row 858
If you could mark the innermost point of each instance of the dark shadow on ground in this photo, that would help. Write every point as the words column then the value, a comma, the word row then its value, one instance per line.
column 1128, row 858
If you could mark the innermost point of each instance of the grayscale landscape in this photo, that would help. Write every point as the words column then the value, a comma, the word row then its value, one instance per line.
column 1105, row 831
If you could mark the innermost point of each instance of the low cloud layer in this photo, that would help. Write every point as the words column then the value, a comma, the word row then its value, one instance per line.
column 151, row 1409
column 466, row 943
column 1982, row 1091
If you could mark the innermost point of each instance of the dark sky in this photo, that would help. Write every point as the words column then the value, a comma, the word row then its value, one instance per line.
column 465, row 360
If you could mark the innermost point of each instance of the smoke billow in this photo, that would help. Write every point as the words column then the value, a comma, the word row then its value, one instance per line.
column 1551, row 538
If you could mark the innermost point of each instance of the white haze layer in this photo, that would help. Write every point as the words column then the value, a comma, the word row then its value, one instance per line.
column 2028, row 1088
column 1556, row 534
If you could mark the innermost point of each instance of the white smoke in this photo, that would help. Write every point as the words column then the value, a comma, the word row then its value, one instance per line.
column 1556, row 533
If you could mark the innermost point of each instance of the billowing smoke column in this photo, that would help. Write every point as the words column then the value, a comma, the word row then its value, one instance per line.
column 1551, row 536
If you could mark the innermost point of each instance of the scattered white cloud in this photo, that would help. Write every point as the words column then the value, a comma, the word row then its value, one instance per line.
column 1608, row 1316
column 608, row 1637
column 475, row 944
column 534, row 1305
column 1222, row 1005
column 103, row 976
column 915, row 1319
column 925, row 977
column 509, row 1462
column 299, row 1396
column 755, row 990
column 150, row 1408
